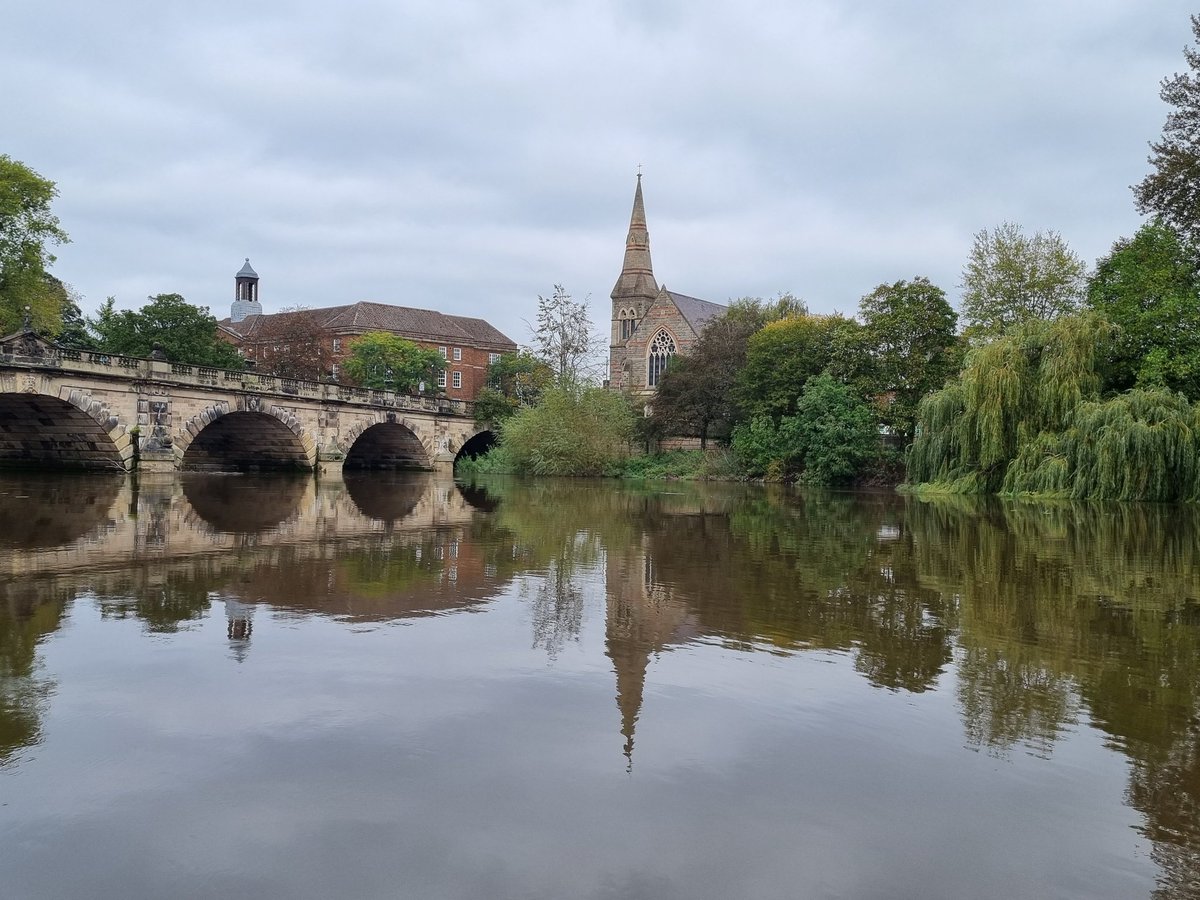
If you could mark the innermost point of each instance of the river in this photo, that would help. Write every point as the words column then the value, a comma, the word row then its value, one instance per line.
column 400, row 686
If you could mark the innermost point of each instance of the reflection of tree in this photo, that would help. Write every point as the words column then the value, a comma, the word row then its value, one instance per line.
column 164, row 607
column 1092, row 606
column 23, row 624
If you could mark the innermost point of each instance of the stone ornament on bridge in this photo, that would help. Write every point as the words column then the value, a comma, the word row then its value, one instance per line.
column 27, row 344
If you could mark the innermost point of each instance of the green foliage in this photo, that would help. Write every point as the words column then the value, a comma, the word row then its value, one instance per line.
column 27, row 229
column 1011, row 278
column 910, row 336
column 572, row 431
column 1149, row 287
column 1026, row 417
column 1141, row 445
column 496, row 461
column 384, row 361
column 685, row 465
column 830, row 439
column 515, row 380
column 783, row 355
column 74, row 333
column 1172, row 189
column 187, row 334
column 837, row 431
column 764, row 448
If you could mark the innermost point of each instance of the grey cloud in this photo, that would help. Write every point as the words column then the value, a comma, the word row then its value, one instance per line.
column 468, row 155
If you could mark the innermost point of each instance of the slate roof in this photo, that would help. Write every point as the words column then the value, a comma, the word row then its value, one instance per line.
column 355, row 318
column 245, row 271
column 696, row 311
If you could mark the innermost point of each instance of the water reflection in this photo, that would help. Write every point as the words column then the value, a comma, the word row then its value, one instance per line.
column 243, row 504
column 1037, row 619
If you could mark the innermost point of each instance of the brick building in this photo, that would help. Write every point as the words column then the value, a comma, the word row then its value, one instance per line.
column 650, row 324
column 315, row 342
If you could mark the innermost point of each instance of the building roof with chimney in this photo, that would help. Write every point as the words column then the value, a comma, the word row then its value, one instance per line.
column 357, row 318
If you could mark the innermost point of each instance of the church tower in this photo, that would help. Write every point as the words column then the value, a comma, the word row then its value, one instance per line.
column 245, row 294
column 635, row 289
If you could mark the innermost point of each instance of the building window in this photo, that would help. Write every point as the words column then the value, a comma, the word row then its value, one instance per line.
column 628, row 321
column 445, row 353
column 334, row 371
column 493, row 358
column 337, row 345
column 662, row 348
column 441, row 379
column 457, row 382
column 457, row 354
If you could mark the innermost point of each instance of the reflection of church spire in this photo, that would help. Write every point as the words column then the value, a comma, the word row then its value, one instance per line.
column 640, row 620
column 240, row 625
column 631, row 659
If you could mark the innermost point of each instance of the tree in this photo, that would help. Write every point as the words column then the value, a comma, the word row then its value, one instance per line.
column 184, row 333
column 1149, row 287
column 832, row 434
column 573, row 430
column 910, row 335
column 383, row 361
column 1011, row 278
column 1013, row 397
column 305, row 350
column 563, row 336
column 74, row 333
column 1172, row 189
column 782, row 356
column 27, row 229
column 514, row 381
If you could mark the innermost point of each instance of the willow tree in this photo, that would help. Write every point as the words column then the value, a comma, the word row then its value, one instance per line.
column 1140, row 445
column 1012, row 390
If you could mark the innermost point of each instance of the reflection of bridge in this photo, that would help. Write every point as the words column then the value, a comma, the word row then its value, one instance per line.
column 91, row 410
column 60, row 527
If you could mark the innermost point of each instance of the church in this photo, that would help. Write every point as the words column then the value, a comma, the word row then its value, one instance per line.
column 650, row 324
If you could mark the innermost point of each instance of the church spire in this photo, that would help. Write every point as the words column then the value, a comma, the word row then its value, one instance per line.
column 636, row 282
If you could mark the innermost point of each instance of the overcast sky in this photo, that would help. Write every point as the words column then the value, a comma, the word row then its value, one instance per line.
column 466, row 155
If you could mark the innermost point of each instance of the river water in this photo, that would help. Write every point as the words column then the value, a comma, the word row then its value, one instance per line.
column 229, row 686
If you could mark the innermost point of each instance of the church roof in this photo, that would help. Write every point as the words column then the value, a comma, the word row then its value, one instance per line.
column 246, row 271
column 355, row 318
column 696, row 311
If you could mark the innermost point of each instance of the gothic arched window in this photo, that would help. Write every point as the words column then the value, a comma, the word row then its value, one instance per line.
column 627, row 323
column 661, row 349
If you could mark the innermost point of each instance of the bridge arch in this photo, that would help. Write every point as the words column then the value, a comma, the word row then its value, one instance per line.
column 476, row 445
column 252, row 435
column 74, row 431
column 389, row 442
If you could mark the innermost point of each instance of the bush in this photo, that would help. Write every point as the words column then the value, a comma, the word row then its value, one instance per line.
column 571, row 431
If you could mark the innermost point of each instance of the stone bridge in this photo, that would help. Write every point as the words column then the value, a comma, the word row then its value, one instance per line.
column 81, row 409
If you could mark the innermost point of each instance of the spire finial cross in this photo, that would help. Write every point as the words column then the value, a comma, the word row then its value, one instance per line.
column 639, row 170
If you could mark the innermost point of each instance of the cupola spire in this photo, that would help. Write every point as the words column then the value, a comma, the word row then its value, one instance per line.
column 245, row 294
